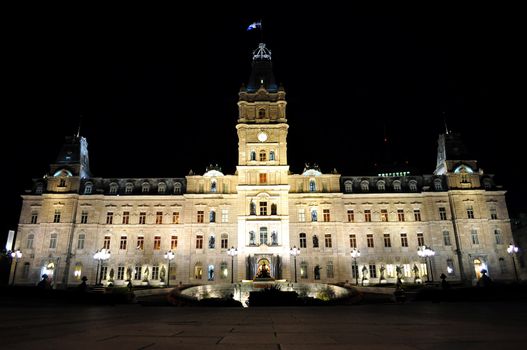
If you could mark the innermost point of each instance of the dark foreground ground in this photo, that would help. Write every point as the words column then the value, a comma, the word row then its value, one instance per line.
column 415, row 325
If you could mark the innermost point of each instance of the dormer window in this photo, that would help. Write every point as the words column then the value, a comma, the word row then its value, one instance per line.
column 412, row 185
column 397, row 186
column 438, row 185
column 312, row 186
column 129, row 187
column 213, row 186
column 261, row 113
column 381, row 185
column 113, row 188
column 365, row 186
column 177, row 188
column 88, row 188
column 161, row 188
column 263, row 156
column 145, row 187
column 348, row 186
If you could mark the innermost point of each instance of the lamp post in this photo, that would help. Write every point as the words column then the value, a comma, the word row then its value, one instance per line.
column 294, row 252
column 100, row 255
column 169, row 256
column 355, row 253
column 427, row 253
column 17, row 254
column 232, row 252
column 512, row 250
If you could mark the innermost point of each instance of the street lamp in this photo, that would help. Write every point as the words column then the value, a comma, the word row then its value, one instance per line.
column 427, row 253
column 355, row 253
column 100, row 255
column 294, row 252
column 232, row 252
column 169, row 256
column 512, row 250
column 17, row 254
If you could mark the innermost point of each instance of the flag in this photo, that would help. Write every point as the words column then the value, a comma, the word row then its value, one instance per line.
column 255, row 25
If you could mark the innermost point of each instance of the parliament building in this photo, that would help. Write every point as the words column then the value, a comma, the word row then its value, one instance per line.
column 263, row 211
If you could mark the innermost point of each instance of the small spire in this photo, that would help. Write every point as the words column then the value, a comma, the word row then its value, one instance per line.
column 79, row 128
column 446, row 126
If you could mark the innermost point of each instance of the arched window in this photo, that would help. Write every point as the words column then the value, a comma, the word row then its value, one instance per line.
column 161, row 187
column 113, row 188
column 261, row 113
column 348, row 186
column 263, row 155
column 212, row 215
column 213, row 186
column 129, row 187
column 177, row 188
column 88, row 188
column 412, row 185
column 365, row 186
column 438, row 185
column 303, row 241
column 271, row 155
column 210, row 273
column 381, row 185
column 30, row 239
column 303, row 269
column 273, row 209
column 198, row 271
column 396, row 185
column 253, row 155
column 312, row 186
column 145, row 187
column 263, row 235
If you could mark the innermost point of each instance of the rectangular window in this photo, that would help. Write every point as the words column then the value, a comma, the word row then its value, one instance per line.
column 224, row 242
column 367, row 215
column 373, row 271
column 120, row 272
column 224, row 215
column 137, row 273
column 450, row 267
column 263, row 208
column 303, row 240
column 155, row 272
column 301, row 215
column 159, row 217
column 34, row 217
column 387, row 241
column 442, row 213
column 351, row 216
column 157, row 242
column 53, row 241
column 109, row 218
column 173, row 242
column 327, row 239
column 106, row 242
column 29, row 243
column 474, row 236
column 84, row 217
column 400, row 214
column 122, row 243
column 140, row 243
column 201, row 215
column 263, row 178
column 175, row 217
column 353, row 241
column 326, row 215
column 417, row 214
column 493, row 213
column 446, row 238
column 404, row 240
column 369, row 240
column 80, row 241
column 329, row 270
column 420, row 239
column 497, row 236
column 384, row 215
column 142, row 218
column 199, row 242
column 56, row 216
column 470, row 212
column 126, row 217
column 104, row 273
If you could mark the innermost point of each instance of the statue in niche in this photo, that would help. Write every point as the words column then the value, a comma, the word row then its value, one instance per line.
column 274, row 238
column 315, row 241
column 382, row 269
column 212, row 242
column 317, row 272
column 364, row 274
column 251, row 238
column 252, row 208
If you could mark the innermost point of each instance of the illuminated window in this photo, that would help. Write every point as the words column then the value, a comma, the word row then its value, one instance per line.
column 113, row 188
column 129, row 188
column 224, row 270
column 109, row 218
column 396, row 185
column 263, row 235
column 159, row 217
column 122, row 243
column 442, row 213
column 161, row 188
column 400, row 214
column 312, row 186
column 106, row 242
column 88, row 188
column 263, row 178
column 348, row 186
column 175, row 217
column 351, row 215
column 263, row 208
column 80, row 241
column 224, row 241
column 84, row 217
column 140, row 243
column 120, row 272
column 373, row 271
column 353, row 241
column 198, row 271
column 384, row 215
column 387, row 240
column 301, row 215
column 367, row 215
column 126, row 217
column 157, row 242
column 303, row 240
column 53, row 241
column 303, row 270
column 263, row 156
column 420, row 239
column 137, row 272
column 369, row 241
column 328, row 241
column 199, row 242
column 446, row 238
column 34, row 217
column 30, row 239
column 417, row 214
column 173, row 242
column 326, row 215
column 404, row 240
column 145, row 187
column 142, row 218
column 56, row 216
column 201, row 215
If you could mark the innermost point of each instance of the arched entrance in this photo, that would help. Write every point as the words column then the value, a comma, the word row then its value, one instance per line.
column 264, row 268
column 478, row 266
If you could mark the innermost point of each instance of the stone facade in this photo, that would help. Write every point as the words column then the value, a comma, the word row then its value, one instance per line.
column 263, row 211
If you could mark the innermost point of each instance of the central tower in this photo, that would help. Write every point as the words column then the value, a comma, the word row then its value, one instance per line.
column 263, row 227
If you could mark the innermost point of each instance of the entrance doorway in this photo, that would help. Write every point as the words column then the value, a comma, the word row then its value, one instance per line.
column 478, row 266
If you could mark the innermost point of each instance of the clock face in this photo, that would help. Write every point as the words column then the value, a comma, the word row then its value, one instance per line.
column 262, row 136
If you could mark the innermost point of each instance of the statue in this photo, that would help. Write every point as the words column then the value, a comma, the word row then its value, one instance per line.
column 382, row 269
column 315, row 241
column 162, row 274
column 212, row 241
column 398, row 270
column 251, row 238
column 317, row 272
column 252, row 208
column 364, row 274
column 274, row 238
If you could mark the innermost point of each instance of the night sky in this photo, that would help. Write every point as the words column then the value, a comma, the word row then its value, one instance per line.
column 154, row 84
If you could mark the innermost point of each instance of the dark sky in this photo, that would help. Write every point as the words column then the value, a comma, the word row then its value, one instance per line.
column 157, row 88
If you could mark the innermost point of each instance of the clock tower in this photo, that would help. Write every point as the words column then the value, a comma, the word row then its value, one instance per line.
column 263, row 223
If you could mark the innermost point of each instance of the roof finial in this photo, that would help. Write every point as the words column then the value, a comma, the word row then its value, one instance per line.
column 79, row 129
column 262, row 53
column 446, row 126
